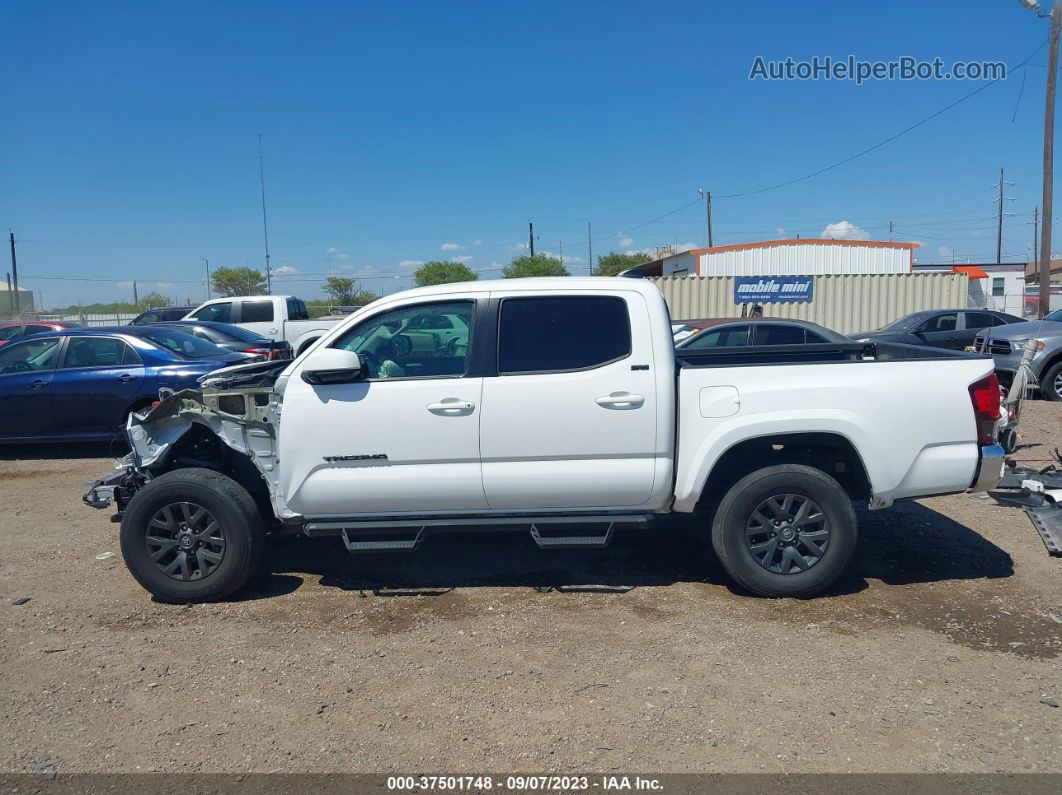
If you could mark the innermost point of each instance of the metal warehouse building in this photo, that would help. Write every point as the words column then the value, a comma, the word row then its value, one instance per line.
column 847, row 285
column 798, row 257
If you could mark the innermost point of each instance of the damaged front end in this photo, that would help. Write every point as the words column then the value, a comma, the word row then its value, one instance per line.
column 229, row 425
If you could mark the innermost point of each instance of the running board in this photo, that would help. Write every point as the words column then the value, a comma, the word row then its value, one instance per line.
column 572, row 542
column 406, row 534
column 397, row 544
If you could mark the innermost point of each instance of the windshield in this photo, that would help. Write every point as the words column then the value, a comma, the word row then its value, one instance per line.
column 10, row 332
column 184, row 345
column 1055, row 316
column 904, row 322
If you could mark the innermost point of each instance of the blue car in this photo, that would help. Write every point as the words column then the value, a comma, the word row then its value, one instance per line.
column 81, row 384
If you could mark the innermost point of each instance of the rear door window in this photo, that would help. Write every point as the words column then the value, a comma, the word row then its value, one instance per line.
column 975, row 321
column 98, row 352
column 218, row 313
column 562, row 333
column 296, row 310
column 256, row 312
column 779, row 334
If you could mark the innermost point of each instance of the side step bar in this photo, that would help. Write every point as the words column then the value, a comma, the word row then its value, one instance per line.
column 571, row 542
column 382, row 544
column 390, row 535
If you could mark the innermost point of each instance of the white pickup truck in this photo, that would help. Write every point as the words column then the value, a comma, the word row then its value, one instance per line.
column 277, row 317
column 550, row 405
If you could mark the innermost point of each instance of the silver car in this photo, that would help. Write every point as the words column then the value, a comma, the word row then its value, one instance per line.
column 1007, row 343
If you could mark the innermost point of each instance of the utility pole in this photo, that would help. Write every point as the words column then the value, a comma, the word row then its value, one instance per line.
column 708, row 213
column 590, row 248
column 265, row 226
column 1049, row 161
column 999, row 218
column 14, row 273
column 1036, row 229
column 890, row 231
column 136, row 300
column 10, row 295
column 561, row 250
column 208, row 277
column 531, row 238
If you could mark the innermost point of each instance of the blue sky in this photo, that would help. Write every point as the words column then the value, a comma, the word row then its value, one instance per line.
column 401, row 132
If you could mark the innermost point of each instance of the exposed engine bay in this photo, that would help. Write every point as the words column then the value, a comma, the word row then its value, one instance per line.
column 229, row 425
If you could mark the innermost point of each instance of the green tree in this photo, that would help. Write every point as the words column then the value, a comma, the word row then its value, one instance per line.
column 617, row 262
column 538, row 265
column 363, row 297
column 340, row 290
column 228, row 282
column 154, row 300
column 438, row 272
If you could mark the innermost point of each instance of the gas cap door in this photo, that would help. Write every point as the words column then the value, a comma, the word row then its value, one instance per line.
column 719, row 401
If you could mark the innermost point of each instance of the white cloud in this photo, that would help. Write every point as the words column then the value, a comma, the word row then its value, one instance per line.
column 626, row 242
column 409, row 264
column 780, row 231
column 945, row 251
column 335, row 253
column 285, row 270
column 450, row 247
column 477, row 242
column 844, row 230
column 461, row 259
column 517, row 247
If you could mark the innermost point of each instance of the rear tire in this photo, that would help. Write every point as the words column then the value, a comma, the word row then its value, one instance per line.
column 192, row 535
column 786, row 530
column 1051, row 382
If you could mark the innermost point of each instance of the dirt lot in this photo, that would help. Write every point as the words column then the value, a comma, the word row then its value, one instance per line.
column 483, row 654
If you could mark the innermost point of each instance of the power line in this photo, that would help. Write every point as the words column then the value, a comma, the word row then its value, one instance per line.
column 888, row 140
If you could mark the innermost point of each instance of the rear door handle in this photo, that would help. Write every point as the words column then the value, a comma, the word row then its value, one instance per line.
column 38, row 384
column 126, row 377
column 451, row 407
column 620, row 400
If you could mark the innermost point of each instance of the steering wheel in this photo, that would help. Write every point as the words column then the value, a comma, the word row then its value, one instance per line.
column 371, row 360
column 450, row 349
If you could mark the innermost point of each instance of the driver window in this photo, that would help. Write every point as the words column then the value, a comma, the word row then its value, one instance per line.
column 424, row 341
column 29, row 356
column 940, row 323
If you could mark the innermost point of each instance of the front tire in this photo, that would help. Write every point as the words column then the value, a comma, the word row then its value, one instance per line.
column 1051, row 382
column 192, row 535
column 786, row 530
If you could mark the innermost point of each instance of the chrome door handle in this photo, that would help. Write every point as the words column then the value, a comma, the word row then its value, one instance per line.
column 620, row 400
column 451, row 406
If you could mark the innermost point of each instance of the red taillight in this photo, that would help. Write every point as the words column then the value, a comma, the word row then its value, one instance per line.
column 984, row 395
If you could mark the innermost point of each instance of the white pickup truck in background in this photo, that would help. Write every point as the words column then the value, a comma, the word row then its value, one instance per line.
column 551, row 405
column 278, row 317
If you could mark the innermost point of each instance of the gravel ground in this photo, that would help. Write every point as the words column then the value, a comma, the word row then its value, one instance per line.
column 939, row 651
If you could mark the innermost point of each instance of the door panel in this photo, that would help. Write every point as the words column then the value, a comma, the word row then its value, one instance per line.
column 25, row 380
column 403, row 440
column 97, row 381
column 575, row 439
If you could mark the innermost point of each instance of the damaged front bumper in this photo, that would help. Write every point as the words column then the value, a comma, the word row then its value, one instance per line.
column 237, row 407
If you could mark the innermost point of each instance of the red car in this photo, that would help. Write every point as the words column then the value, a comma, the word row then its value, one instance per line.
column 13, row 331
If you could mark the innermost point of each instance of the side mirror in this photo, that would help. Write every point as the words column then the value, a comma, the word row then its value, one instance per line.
column 331, row 366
